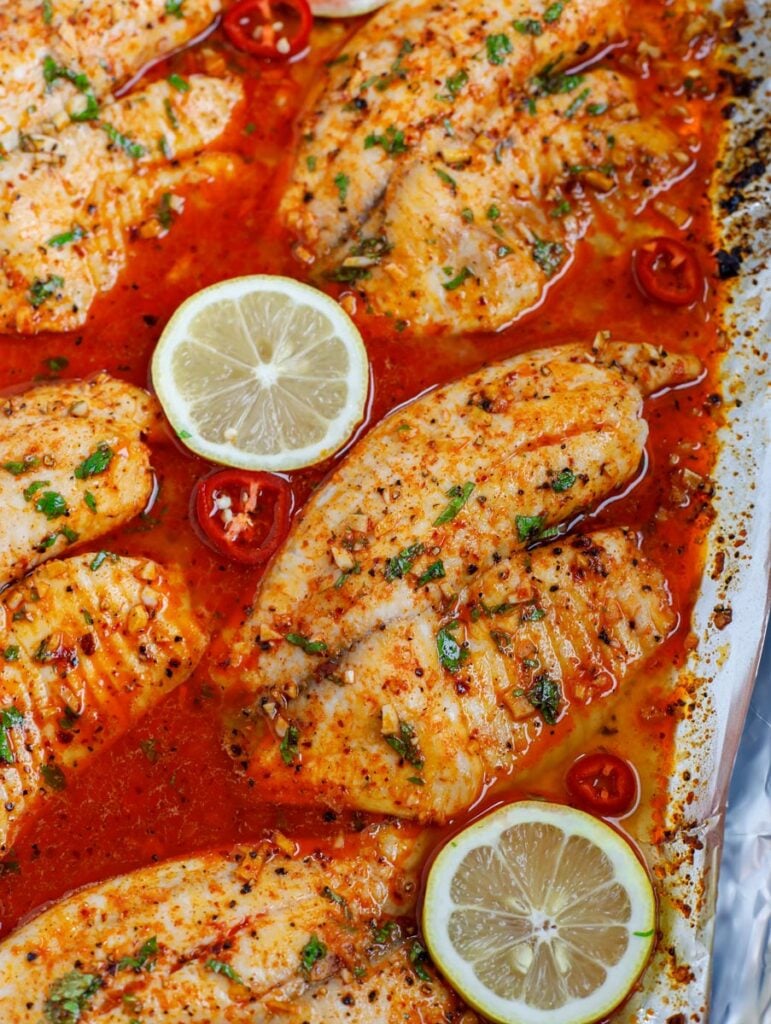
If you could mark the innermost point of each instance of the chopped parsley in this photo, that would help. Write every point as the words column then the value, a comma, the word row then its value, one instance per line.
column 34, row 487
column 170, row 113
column 503, row 641
column 418, row 956
column 11, row 653
column 446, row 178
column 10, row 718
column 179, row 83
column 458, row 495
column 66, row 237
column 164, row 211
column 95, row 463
column 335, row 897
column 372, row 250
column 405, row 743
column 528, row 27
column 313, row 951
column 42, row 290
column 53, row 776
column 69, row 996
column 529, row 527
column 288, row 748
column 342, row 181
column 493, row 212
column 343, row 577
column 51, row 504
column 563, row 481
column 392, row 141
column 463, row 274
column 28, row 463
column 400, row 564
column 53, row 72
column 497, row 48
column 385, row 932
column 532, row 613
column 547, row 83
column 309, row 646
column 451, row 653
column 48, row 12
column 545, row 696
column 595, row 109
column 548, row 255
column 310, row 162
column 131, row 148
column 577, row 103
column 561, row 209
column 454, row 84
column 435, row 571
column 174, row 7
column 99, row 559
column 144, row 960
column 220, row 967
column 553, row 12
column 467, row 215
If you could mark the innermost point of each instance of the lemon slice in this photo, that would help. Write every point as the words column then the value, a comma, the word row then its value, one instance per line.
column 261, row 372
column 344, row 8
column 539, row 913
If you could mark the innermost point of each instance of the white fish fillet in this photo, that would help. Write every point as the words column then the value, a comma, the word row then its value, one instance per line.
column 88, row 644
column 73, row 465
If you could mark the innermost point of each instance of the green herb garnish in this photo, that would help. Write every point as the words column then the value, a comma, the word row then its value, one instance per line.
column 309, row 646
column 69, row 996
column 435, row 571
column 288, row 748
column 10, row 718
column 313, row 951
column 497, row 48
column 220, row 967
column 401, row 564
column 463, row 274
column 95, row 463
column 451, row 653
column 41, row 290
column 458, row 495
column 405, row 744
column 545, row 697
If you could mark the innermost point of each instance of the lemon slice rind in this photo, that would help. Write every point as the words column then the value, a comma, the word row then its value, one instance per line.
column 438, row 906
column 189, row 396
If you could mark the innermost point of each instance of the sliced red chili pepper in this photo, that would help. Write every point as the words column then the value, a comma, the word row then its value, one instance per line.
column 269, row 28
column 244, row 516
column 603, row 783
column 667, row 271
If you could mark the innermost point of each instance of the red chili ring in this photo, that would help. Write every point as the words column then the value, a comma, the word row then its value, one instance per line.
column 250, row 25
column 244, row 516
column 667, row 271
column 603, row 784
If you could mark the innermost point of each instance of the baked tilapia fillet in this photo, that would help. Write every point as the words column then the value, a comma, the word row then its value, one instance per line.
column 430, row 618
column 452, row 158
column 256, row 934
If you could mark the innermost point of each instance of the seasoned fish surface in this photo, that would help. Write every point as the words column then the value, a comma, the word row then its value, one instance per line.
column 451, row 162
column 457, row 480
column 254, row 935
column 46, row 46
column 411, row 719
column 73, row 466
column 70, row 198
column 360, row 667
column 88, row 645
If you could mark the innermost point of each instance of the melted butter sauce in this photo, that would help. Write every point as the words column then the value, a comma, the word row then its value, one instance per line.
column 168, row 786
